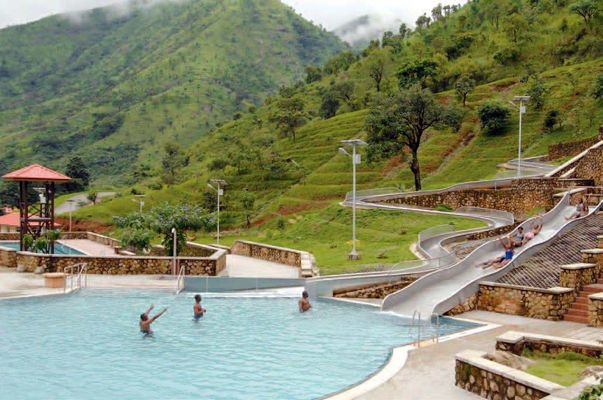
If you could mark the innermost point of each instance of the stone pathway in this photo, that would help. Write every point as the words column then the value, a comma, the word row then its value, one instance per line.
column 429, row 371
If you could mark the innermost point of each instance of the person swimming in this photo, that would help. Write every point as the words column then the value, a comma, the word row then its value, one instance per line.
column 145, row 321
column 198, row 310
column 304, row 303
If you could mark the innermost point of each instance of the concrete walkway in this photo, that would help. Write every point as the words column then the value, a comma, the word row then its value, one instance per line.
column 80, row 200
column 246, row 267
column 429, row 371
column 89, row 247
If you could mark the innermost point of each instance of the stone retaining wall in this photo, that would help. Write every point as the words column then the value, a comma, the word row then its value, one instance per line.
column 503, row 230
column 120, row 265
column 375, row 291
column 468, row 305
column 8, row 257
column 266, row 252
column 569, row 149
column 551, row 304
column 576, row 276
column 517, row 342
column 595, row 310
column 491, row 380
column 520, row 198
column 590, row 166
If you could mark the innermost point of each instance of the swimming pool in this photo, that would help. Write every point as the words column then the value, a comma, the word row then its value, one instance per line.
column 59, row 248
column 87, row 345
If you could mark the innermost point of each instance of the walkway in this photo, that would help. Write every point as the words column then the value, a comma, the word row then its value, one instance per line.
column 429, row 371
column 80, row 200
column 89, row 247
column 246, row 267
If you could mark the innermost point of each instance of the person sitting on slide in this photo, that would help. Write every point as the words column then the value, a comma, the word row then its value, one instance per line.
column 535, row 229
column 518, row 238
column 499, row 262
column 581, row 210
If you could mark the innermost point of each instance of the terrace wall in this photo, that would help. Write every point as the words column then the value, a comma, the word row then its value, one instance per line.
column 549, row 304
column 595, row 310
column 590, row 166
column 266, row 252
column 517, row 342
column 8, row 257
column 522, row 196
column 569, row 149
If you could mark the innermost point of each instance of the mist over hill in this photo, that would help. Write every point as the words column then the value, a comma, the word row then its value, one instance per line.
column 360, row 31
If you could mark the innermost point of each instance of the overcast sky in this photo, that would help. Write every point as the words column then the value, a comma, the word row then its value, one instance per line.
column 329, row 13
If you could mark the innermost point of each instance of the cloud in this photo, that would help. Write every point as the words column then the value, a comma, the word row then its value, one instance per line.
column 329, row 13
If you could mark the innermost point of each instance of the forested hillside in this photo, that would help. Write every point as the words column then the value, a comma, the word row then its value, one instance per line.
column 113, row 85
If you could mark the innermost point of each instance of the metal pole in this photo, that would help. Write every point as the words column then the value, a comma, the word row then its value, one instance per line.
column 519, row 146
column 70, row 210
column 354, row 254
column 218, row 238
column 174, row 251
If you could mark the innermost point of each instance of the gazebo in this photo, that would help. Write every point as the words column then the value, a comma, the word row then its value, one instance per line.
column 36, row 218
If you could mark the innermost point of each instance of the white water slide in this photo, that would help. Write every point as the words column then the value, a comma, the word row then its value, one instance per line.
column 439, row 291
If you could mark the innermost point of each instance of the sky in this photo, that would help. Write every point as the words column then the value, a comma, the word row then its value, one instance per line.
column 329, row 13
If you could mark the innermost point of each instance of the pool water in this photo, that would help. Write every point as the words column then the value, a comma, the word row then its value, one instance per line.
column 87, row 345
column 59, row 248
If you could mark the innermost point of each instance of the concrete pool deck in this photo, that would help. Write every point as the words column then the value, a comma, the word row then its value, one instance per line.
column 89, row 247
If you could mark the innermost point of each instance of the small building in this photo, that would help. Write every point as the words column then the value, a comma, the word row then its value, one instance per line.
column 10, row 223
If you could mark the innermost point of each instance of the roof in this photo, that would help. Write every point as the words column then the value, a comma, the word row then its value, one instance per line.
column 36, row 172
column 11, row 219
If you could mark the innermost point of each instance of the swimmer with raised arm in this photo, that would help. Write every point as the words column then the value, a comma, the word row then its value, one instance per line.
column 198, row 310
column 145, row 321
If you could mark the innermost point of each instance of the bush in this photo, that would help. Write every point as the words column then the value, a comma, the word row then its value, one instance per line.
column 217, row 164
column 494, row 118
column 506, row 56
column 551, row 119
column 597, row 91
column 136, row 238
column 537, row 92
column 281, row 224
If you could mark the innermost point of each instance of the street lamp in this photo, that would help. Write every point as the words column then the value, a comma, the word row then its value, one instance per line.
column 220, row 183
column 356, row 159
column 522, row 110
column 140, row 201
column 70, row 201
column 174, row 249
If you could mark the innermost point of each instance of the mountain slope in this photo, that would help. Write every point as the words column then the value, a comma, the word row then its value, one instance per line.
column 115, row 85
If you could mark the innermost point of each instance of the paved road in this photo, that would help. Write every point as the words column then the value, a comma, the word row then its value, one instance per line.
column 79, row 201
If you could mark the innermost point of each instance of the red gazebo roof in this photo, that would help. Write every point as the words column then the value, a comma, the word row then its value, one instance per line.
column 37, row 173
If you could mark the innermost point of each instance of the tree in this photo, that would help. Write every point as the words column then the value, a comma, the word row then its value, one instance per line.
column 289, row 116
column 551, row 119
column 313, row 74
column 92, row 196
column 537, row 92
column 248, row 204
column 587, row 9
column 182, row 217
column 404, row 31
column 377, row 71
column 78, row 172
column 329, row 105
column 494, row 117
column 404, row 117
column 515, row 25
column 173, row 160
column 423, row 22
column 417, row 71
column 464, row 85
column 436, row 13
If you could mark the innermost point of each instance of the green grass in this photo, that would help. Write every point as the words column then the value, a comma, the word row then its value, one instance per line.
column 384, row 238
column 563, row 368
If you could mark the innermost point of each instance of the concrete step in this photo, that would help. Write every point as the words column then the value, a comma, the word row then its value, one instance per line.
column 573, row 311
column 573, row 318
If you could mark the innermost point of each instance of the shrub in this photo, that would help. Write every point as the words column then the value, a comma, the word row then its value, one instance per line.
column 494, row 118
column 217, row 164
column 551, row 119
column 281, row 224
column 537, row 92
column 597, row 90
column 506, row 56
column 136, row 238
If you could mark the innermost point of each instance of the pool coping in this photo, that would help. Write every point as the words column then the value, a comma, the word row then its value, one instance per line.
column 397, row 358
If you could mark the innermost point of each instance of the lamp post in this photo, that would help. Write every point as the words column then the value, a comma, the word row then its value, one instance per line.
column 522, row 110
column 174, row 239
column 220, row 183
column 140, row 201
column 356, row 159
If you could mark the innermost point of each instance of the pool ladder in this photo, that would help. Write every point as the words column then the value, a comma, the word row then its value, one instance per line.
column 180, row 280
column 416, row 323
column 77, row 279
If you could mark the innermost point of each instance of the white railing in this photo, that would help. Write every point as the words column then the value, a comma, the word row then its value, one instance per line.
column 180, row 280
column 77, row 275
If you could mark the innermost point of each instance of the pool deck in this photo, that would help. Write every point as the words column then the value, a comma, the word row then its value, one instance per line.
column 247, row 267
column 429, row 371
column 89, row 247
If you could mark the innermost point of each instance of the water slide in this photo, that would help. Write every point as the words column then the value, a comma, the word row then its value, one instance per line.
column 442, row 289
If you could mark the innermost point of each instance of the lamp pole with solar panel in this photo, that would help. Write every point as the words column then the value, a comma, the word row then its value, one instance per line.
column 218, row 188
column 522, row 110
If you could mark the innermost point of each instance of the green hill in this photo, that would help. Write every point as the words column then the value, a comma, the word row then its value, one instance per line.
column 114, row 85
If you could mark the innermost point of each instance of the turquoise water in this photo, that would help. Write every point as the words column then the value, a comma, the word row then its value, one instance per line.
column 58, row 248
column 87, row 346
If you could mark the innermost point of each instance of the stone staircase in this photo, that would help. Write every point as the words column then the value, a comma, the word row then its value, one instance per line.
column 578, row 312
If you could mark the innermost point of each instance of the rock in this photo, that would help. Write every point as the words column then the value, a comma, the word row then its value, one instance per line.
column 511, row 392
column 593, row 370
column 510, row 360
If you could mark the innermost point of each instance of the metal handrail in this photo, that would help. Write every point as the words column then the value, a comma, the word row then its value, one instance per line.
column 180, row 280
column 80, row 279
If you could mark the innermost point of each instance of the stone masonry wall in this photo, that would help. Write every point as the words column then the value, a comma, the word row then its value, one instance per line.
column 468, row 305
column 550, row 346
column 265, row 252
column 521, row 197
column 117, row 265
column 568, row 149
column 577, row 278
column 375, row 291
column 591, row 166
column 8, row 257
column 549, row 304
column 492, row 386
column 595, row 310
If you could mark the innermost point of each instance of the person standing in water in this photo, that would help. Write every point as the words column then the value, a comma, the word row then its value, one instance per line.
column 145, row 321
column 198, row 310
column 304, row 303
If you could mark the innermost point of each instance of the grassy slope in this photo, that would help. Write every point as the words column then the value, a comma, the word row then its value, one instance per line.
column 564, row 368
column 171, row 71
